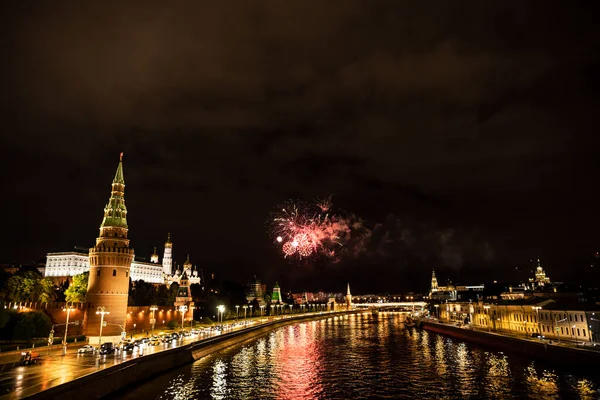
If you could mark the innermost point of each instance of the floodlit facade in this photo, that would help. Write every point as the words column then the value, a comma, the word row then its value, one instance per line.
column 525, row 317
column 67, row 264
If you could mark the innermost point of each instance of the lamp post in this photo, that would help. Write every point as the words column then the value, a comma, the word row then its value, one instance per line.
column 102, row 311
column 251, row 310
column 488, row 317
column 182, row 310
column 262, row 308
column 221, row 309
column 245, row 314
column 153, row 320
column 68, row 309
column 437, row 311
column 237, row 313
column 134, row 325
column 192, row 308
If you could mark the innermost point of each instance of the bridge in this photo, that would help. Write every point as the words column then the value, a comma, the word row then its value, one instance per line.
column 405, row 306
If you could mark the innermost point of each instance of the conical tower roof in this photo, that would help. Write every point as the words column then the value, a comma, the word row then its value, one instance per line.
column 115, row 212
column 119, row 174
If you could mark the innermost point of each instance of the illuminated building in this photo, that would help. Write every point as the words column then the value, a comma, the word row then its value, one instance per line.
column 540, row 278
column 190, row 271
column 276, row 296
column 168, row 257
column 110, row 263
column 184, row 294
column 452, row 292
column 434, row 284
column 154, row 257
column 554, row 320
column 70, row 263
column 255, row 291
column 348, row 297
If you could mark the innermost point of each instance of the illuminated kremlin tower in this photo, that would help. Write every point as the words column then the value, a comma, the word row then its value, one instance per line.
column 168, row 257
column 110, row 260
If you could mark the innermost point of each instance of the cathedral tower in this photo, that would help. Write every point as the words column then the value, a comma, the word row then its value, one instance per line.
column 168, row 257
column 434, row 283
column 348, row 297
column 110, row 260
column 154, row 257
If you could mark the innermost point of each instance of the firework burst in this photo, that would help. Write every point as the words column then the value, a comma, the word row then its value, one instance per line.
column 304, row 230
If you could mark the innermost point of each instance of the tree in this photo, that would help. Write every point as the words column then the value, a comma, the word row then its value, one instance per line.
column 77, row 290
column 173, row 290
column 46, row 290
column 143, row 294
column 24, row 287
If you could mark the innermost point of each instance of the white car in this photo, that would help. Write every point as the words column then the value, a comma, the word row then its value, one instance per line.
column 86, row 349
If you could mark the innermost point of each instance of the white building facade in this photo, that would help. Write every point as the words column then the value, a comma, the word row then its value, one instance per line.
column 72, row 263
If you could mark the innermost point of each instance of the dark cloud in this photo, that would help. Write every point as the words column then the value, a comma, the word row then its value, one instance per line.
column 475, row 120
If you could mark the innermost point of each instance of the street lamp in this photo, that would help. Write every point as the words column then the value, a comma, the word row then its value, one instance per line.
column 134, row 325
column 262, row 308
column 182, row 310
column 245, row 315
column 192, row 308
column 68, row 309
column 237, row 313
column 488, row 316
column 102, row 311
column 221, row 309
column 437, row 311
column 153, row 320
column 251, row 310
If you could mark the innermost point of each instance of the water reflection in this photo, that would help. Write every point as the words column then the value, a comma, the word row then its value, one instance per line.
column 364, row 356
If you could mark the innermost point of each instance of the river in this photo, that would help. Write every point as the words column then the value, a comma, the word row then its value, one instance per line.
column 365, row 356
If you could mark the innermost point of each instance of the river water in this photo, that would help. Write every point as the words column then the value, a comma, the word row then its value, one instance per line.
column 365, row 356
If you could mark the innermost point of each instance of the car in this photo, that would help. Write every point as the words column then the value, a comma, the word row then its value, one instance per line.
column 107, row 348
column 154, row 342
column 128, row 346
column 30, row 357
column 537, row 335
column 86, row 349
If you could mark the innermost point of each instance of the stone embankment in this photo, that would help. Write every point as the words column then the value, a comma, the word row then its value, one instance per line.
column 534, row 349
column 107, row 381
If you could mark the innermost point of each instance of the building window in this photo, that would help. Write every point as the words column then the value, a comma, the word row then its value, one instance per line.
column 578, row 333
column 583, row 332
column 570, row 317
column 114, row 272
column 126, row 274
column 98, row 272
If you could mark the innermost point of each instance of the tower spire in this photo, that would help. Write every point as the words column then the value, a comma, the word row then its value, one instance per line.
column 115, row 212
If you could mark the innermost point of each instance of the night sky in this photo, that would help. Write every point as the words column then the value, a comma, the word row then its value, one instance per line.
column 461, row 135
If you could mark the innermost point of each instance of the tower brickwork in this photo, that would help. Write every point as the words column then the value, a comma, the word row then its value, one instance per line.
column 110, row 262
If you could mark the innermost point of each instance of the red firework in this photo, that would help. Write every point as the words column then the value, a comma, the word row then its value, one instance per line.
column 305, row 230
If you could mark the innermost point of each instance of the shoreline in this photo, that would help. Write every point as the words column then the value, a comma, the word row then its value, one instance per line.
column 549, row 352
column 107, row 381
